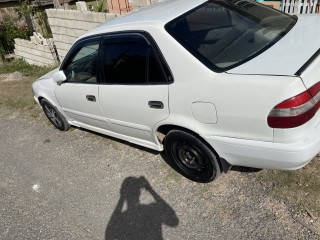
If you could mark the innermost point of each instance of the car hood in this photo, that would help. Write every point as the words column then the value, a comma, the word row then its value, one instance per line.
column 289, row 54
column 49, row 74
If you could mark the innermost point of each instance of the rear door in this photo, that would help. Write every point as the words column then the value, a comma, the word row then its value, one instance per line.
column 134, row 94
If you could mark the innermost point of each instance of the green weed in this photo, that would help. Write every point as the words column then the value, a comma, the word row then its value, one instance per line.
column 19, row 65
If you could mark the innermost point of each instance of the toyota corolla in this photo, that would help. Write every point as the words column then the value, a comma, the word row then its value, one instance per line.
column 213, row 83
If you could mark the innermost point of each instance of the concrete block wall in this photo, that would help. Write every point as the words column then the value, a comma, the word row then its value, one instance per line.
column 35, row 53
column 140, row 3
column 68, row 25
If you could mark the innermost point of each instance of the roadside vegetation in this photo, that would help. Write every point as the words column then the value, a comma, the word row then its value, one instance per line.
column 20, row 22
column 16, row 78
column 97, row 5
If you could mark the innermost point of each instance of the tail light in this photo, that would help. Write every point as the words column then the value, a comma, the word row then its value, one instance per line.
column 297, row 110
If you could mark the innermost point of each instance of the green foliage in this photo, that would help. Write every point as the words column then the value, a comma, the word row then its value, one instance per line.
column 102, row 6
column 15, row 26
column 25, row 68
column 25, row 9
column 9, row 30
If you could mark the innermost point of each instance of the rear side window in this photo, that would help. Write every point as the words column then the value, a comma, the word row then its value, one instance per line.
column 155, row 72
column 224, row 34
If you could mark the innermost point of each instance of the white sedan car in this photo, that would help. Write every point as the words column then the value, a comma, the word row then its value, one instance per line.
column 213, row 83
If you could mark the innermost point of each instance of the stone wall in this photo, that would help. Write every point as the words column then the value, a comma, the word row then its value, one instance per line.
column 38, row 51
column 68, row 25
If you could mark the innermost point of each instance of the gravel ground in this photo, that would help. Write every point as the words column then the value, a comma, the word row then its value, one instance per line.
column 67, row 185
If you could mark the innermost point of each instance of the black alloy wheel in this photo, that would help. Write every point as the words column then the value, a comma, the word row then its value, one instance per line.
column 54, row 116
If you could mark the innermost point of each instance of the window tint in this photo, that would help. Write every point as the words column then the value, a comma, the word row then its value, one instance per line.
column 82, row 67
column 223, row 34
column 129, row 59
column 156, row 74
column 125, row 63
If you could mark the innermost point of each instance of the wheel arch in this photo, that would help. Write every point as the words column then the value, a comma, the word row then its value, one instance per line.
column 163, row 130
column 40, row 99
column 52, row 99
column 54, row 115
column 49, row 98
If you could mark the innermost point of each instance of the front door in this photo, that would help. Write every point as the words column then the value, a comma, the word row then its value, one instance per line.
column 134, row 92
column 78, row 95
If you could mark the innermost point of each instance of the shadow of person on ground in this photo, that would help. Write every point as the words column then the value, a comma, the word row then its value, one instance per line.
column 134, row 220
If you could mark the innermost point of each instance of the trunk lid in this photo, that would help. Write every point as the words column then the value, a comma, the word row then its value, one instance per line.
column 310, row 73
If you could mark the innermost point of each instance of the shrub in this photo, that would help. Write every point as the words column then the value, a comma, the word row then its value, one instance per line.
column 13, row 25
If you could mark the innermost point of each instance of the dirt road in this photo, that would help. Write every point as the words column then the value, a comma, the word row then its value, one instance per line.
column 79, row 185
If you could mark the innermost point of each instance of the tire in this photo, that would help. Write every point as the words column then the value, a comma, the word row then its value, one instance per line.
column 54, row 116
column 191, row 157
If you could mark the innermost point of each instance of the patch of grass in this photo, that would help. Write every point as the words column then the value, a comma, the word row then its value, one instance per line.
column 17, row 95
column 301, row 188
column 19, row 65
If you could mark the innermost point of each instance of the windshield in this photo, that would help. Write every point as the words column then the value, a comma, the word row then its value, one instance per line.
column 224, row 34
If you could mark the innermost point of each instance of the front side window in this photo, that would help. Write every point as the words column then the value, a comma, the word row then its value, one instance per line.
column 130, row 59
column 226, row 33
column 82, row 65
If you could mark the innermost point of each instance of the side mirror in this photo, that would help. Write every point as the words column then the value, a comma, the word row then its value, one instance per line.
column 59, row 77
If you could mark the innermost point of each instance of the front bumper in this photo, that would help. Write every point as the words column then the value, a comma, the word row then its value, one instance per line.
column 258, row 154
column 36, row 100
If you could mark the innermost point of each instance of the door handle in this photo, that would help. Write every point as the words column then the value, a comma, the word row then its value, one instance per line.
column 155, row 104
column 91, row 98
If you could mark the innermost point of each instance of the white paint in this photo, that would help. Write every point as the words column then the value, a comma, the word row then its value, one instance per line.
column 288, row 55
column 204, row 112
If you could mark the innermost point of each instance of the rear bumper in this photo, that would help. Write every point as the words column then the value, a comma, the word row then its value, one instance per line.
column 257, row 154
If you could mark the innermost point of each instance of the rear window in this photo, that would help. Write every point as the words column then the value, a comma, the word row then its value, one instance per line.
column 224, row 34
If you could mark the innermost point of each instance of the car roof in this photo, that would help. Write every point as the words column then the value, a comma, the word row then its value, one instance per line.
column 158, row 13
